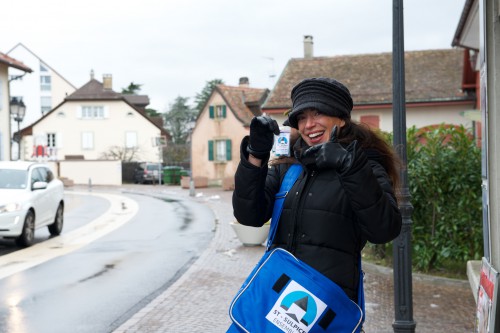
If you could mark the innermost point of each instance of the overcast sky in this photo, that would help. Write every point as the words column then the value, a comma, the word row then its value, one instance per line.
column 173, row 47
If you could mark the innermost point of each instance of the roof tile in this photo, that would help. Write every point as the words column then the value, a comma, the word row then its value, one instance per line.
column 245, row 102
column 430, row 76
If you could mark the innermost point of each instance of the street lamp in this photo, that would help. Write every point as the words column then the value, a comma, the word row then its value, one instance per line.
column 191, row 180
column 17, row 110
column 403, row 293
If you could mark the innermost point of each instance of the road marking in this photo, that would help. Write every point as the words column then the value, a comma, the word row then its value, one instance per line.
column 121, row 211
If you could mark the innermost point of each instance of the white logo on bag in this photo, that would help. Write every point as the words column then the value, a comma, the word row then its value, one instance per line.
column 296, row 310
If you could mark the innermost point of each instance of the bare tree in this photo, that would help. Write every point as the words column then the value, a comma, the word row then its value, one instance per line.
column 120, row 153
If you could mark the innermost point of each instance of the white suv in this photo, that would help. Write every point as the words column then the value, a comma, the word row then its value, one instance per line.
column 30, row 198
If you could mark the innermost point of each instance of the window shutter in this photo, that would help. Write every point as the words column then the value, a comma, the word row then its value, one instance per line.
column 211, row 111
column 59, row 140
column 79, row 112
column 372, row 121
column 223, row 111
column 228, row 150
column 105, row 112
column 210, row 150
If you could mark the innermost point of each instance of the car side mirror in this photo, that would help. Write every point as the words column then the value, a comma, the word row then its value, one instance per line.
column 39, row 186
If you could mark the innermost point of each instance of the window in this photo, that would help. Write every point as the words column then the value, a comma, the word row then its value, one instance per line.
column 51, row 140
column 45, row 104
column 130, row 139
column 45, row 83
column 217, row 111
column 371, row 121
column 219, row 150
column 92, row 112
column 87, row 140
column 43, row 67
column 38, row 175
column 41, row 174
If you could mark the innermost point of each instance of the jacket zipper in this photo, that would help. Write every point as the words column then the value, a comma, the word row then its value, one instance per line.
column 299, row 209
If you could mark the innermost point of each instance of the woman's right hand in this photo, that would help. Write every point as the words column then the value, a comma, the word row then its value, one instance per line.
column 262, row 131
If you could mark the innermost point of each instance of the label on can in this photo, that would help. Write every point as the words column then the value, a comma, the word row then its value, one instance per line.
column 282, row 143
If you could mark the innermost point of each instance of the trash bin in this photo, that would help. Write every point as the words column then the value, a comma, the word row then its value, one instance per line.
column 172, row 175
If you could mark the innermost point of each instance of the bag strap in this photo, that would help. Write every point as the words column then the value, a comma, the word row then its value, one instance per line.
column 291, row 176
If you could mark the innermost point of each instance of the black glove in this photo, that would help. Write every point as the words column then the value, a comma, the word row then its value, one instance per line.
column 331, row 154
column 262, row 131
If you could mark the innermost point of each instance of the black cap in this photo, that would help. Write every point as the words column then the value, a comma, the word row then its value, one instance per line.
column 326, row 95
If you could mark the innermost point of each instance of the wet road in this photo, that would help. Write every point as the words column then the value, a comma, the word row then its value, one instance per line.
column 79, row 210
column 100, row 285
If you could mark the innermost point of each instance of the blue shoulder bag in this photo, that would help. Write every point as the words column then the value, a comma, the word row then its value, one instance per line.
column 283, row 294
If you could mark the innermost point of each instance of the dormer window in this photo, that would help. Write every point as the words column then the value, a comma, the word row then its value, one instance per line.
column 92, row 112
column 217, row 111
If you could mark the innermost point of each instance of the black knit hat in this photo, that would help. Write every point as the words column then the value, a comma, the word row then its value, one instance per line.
column 326, row 95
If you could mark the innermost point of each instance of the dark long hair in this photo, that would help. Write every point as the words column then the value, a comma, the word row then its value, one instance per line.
column 370, row 140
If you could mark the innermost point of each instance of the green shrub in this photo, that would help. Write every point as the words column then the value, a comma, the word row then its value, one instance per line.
column 444, row 180
column 444, row 175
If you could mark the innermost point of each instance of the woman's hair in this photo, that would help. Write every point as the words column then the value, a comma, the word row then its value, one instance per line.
column 368, row 139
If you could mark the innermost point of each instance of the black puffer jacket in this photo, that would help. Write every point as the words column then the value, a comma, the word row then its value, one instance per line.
column 327, row 217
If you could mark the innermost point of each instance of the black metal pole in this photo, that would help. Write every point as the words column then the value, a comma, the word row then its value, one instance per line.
column 18, row 139
column 403, row 303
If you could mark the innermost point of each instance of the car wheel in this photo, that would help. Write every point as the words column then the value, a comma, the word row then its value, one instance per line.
column 28, row 234
column 55, row 228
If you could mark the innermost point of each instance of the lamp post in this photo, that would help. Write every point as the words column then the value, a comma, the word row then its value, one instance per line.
column 191, row 180
column 403, row 303
column 17, row 110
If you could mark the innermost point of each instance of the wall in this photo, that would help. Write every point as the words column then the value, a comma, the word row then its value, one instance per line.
column 210, row 129
column 492, row 27
column 97, row 172
column 421, row 116
column 4, row 114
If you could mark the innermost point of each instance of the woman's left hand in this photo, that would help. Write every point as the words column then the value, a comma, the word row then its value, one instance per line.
column 332, row 155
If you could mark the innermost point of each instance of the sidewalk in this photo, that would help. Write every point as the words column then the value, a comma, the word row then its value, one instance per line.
column 198, row 301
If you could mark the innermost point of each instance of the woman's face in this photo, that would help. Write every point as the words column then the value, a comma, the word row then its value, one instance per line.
column 315, row 127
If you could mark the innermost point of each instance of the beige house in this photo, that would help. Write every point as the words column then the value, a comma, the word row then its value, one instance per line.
column 7, row 62
column 93, row 124
column 440, row 86
column 219, row 129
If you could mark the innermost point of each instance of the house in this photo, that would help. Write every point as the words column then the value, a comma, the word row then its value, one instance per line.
column 219, row 129
column 478, row 33
column 7, row 62
column 42, row 90
column 437, row 90
column 94, row 123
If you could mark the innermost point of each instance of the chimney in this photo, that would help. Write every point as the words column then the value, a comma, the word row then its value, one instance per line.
column 91, row 74
column 244, row 82
column 107, row 81
column 308, row 47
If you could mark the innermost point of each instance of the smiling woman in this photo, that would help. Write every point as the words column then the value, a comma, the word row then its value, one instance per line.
column 343, row 197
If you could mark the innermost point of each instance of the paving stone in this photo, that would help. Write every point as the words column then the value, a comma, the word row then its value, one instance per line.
column 199, row 300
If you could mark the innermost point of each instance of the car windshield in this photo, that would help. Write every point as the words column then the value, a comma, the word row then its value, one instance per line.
column 152, row 167
column 13, row 178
